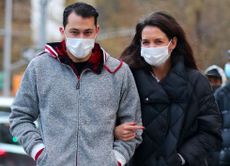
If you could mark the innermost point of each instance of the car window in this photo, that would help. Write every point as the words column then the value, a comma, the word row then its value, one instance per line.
column 5, row 109
column 5, row 135
column 5, row 103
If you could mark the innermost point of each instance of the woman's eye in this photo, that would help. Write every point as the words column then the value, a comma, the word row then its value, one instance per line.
column 159, row 42
column 145, row 43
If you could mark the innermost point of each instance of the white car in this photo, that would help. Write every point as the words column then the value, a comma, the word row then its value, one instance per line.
column 11, row 153
column 5, row 103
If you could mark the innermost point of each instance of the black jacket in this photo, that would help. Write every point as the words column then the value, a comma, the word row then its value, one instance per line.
column 180, row 115
column 223, row 99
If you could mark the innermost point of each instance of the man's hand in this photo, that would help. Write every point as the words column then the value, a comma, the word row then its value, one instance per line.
column 127, row 131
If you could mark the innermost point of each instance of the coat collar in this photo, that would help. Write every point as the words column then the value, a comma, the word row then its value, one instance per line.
column 173, row 88
column 176, row 82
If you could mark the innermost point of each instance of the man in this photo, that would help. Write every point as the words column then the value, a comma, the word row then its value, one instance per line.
column 78, row 93
column 216, row 76
column 222, row 96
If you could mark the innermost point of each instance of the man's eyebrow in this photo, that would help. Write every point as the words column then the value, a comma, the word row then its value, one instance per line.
column 74, row 29
column 88, row 30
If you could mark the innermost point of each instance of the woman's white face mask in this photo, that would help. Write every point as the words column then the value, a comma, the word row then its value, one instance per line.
column 155, row 56
column 79, row 47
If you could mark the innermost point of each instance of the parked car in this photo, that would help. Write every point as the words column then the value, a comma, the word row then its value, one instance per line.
column 5, row 103
column 11, row 153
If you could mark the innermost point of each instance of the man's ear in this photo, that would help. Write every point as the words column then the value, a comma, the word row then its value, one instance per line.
column 97, row 29
column 62, row 31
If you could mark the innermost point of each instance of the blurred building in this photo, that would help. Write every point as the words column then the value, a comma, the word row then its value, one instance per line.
column 53, row 19
column 21, row 31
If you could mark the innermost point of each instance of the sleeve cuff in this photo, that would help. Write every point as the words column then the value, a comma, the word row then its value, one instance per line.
column 36, row 149
column 182, row 159
column 119, row 157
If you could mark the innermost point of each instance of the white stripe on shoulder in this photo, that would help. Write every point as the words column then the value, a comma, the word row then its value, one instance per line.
column 50, row 50
column 105, row 55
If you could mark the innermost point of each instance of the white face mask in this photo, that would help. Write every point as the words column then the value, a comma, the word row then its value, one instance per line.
column 155, row 56
column 79, row 47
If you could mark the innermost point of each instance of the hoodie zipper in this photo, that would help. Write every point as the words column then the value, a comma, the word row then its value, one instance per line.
column 78, row 116
column 78, row 109
column 78, row 84
column 78, row 112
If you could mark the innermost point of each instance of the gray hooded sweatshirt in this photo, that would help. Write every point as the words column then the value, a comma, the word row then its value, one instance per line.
column 76, row 117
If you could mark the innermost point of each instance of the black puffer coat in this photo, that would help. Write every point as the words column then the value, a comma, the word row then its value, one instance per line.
column 180, row 115
column 223, row 99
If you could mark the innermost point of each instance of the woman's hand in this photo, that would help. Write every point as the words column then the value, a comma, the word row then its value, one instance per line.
column 127, row 131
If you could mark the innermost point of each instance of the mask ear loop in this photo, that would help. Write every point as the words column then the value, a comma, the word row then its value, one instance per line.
column 169, row 43
column 171, row 50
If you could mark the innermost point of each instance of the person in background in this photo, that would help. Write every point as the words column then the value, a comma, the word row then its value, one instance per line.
column 216, row 76
column 222, row 96
column 181, row 118
column 77, row 92
column 227, row 66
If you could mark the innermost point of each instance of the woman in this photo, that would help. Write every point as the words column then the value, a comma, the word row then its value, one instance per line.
column 181, row 119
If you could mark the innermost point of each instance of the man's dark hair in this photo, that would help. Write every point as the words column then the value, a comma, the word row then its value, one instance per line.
column 82, row 9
